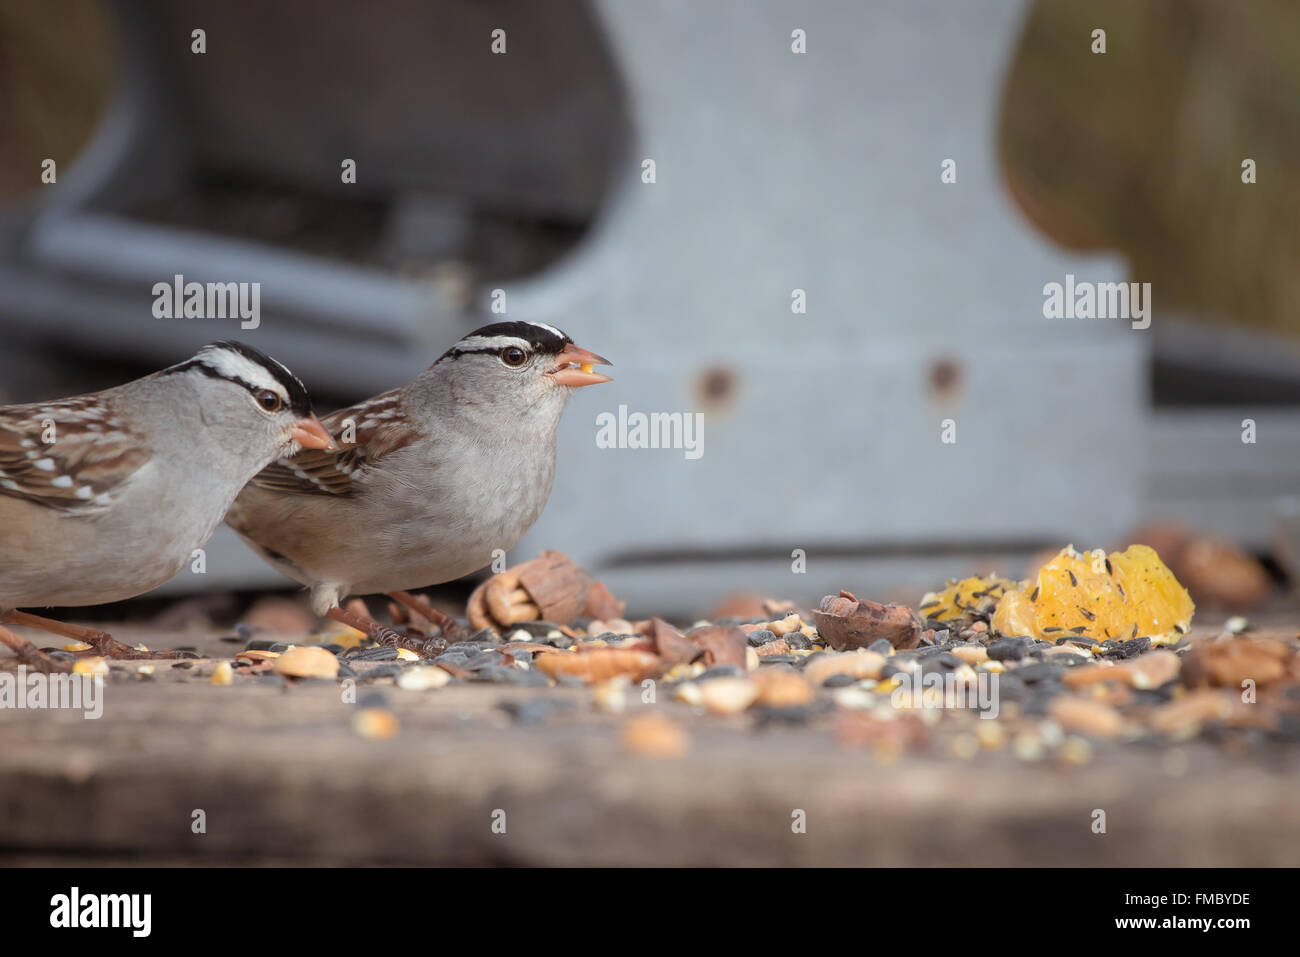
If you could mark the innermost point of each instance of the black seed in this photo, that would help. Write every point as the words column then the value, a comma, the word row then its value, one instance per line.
column 1033, row 596
column 535, row 711
column 1086, row 613
column 1008, row 649
column 1035, row 672
column 946, row 661
column 799, row 714
column 380, row 653
column 1109, row 570
column 1073, row 581
column 722, row 671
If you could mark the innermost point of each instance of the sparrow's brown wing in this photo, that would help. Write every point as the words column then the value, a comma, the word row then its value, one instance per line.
column 69, row 454
column 364, row 432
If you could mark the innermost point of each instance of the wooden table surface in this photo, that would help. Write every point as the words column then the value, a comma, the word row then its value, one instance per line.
column 282, row 777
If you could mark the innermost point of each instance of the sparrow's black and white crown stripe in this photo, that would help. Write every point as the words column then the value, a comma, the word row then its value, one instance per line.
column 535, row 337
column 246, row 366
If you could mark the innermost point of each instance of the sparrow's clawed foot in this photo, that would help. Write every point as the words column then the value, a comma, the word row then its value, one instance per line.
column 31, row 656
column 101, row 642
column 448, row 627
column 383, row 635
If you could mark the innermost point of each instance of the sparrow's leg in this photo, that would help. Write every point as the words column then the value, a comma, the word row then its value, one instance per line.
column 383, row 635
column 448, row 626
column 104, row 643
column 29, row 655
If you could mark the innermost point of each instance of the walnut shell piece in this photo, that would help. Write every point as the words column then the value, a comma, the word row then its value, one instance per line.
column 722, row 644
column 551, row 587
column 673, row 647
column 847, row 622
column 1228, row 663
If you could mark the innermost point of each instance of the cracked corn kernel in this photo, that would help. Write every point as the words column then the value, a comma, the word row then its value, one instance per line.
column 684, row 672
column 971, row 654
column 422, row 678
column 375, row 723
column 1028, row 747
column 688, row 692
column 887, row 750
column 728, row 695
column 654, row 736
column 990, row 735
column 964, row 746
column 76, row 646
column 1076, row 750
column 611, row 696
column 223, row 674
column 90, row 666
column 853, row 698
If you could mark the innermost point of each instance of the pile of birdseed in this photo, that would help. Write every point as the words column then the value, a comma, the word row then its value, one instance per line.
column 962, row 690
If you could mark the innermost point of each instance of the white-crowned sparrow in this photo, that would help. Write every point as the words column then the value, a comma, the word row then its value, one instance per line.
column 429, row 479
column 105, row 496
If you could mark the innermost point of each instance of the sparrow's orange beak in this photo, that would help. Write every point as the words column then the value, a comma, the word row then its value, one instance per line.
column 310, row 434
column 574, row 368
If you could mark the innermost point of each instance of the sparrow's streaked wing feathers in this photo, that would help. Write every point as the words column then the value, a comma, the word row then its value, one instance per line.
column 376, row 429
column 68, row 454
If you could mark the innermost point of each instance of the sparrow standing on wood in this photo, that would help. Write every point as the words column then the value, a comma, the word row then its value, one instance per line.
column 429, row 479
column 105, row 496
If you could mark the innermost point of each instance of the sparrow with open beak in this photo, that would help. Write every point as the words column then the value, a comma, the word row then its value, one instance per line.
column 430, row 479
column 106, row 496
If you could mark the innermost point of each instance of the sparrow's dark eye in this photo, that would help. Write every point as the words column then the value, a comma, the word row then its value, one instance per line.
column 513, row 356
column 268, row 400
